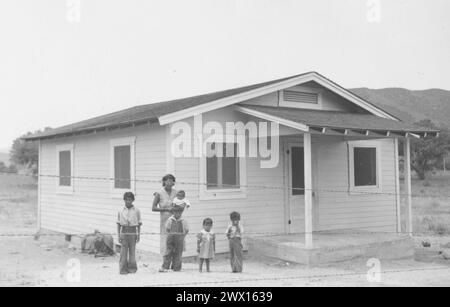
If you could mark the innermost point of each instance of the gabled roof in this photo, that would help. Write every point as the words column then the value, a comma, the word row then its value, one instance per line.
column 147, row 113
column 169, row 111
column 335, row 120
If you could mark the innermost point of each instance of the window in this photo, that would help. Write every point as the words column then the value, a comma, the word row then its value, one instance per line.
column 223, row 174
column 122, row 165
column 365, row 165
column 65, row 168
column 64, row 158
column 364, row 162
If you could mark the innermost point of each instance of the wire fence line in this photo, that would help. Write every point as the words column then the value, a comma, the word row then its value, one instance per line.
column 314, row 276
column 273, row 234
column 192, row 183
column 334, row 232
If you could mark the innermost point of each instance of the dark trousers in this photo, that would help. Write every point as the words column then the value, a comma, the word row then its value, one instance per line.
column 174, row 252
column 236, row 255
column 127, row 262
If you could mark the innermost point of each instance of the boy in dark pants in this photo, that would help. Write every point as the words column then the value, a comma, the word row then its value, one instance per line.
column 129, row 231
column 176, row 228
column 234, row 235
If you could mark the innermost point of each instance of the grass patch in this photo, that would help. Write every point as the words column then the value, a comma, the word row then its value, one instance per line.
column 431, row 204
column 18, row 200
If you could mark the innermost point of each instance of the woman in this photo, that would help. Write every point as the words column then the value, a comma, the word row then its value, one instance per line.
column 162, row 203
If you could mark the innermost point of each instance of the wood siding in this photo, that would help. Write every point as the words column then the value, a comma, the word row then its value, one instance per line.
column 263, row 210
column 340, row 209
column 91, row 206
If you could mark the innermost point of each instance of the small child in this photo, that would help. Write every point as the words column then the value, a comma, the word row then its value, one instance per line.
column 206, row 244
column 234, row 235
column 128, row 229
column 176, row 228
column 181, row 200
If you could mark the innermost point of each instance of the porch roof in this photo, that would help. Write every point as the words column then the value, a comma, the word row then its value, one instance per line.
column 337, row 122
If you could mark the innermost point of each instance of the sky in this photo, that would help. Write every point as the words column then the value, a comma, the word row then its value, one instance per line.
column 62, row 61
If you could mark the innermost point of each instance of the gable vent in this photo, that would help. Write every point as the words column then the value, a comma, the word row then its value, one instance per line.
column 301, row 97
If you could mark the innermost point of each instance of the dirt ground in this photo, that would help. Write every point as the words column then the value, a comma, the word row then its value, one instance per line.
column 48, row 261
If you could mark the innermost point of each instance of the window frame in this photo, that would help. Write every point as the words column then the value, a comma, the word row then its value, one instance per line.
column 351, row 160
column 62, row 189
column 301, row 105
column 126, row 141
column 212, row 194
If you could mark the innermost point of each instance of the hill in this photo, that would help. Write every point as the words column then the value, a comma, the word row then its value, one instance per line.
column 412, row 106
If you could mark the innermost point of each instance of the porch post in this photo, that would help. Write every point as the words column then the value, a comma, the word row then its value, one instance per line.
column 407, row 167
column 397, row 187
column 308, row 189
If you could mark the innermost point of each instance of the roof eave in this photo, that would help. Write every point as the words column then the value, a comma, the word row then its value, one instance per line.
column 90, row 130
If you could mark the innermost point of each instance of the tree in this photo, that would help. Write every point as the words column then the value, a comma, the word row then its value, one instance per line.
column 12, row 169
column 428, row 152
column 3, row 167
column 26, row 153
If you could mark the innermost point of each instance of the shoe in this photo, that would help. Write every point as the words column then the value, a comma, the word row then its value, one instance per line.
column 162, row 270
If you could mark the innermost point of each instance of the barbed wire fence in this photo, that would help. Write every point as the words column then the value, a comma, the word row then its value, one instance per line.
column 342, row 190
column 309, row 277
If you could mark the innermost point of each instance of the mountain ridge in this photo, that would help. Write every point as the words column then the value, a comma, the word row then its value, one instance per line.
column 411, row 105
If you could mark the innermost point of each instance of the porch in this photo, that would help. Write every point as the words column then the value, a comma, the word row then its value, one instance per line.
column 332, row 247
column 335, row 212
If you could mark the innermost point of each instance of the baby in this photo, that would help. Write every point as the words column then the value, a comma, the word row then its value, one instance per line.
column 181, row 200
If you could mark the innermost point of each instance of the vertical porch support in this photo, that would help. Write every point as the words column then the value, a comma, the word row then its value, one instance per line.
column 407, row 166
column 308, row 190
column 397, row 187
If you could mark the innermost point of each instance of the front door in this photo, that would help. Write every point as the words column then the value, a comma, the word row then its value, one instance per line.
column 295, row 179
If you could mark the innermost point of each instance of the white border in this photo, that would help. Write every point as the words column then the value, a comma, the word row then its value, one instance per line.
column 59, row 188
column 351, row 174
column 212, row 194
column 131, row 141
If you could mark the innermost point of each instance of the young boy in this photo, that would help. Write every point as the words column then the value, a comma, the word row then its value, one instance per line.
column 234, row 235
column 181, row 200
column 176, row 228
column 129, row 230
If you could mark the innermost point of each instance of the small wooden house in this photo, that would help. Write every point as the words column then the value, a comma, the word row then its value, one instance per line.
column 337, row 166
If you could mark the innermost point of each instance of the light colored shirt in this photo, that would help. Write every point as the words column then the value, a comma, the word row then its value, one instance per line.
column 181, row 202
column 129, row 217
column 235, row 231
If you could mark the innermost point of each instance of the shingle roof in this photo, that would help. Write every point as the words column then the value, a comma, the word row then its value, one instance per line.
column 151, row 112
column 148, row 112
column 338, row 119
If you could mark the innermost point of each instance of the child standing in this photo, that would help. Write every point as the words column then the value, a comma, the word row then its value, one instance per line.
column 234, row 235
column 206, row 244
column 129, row 230
column 176, row 228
